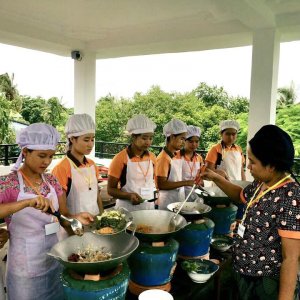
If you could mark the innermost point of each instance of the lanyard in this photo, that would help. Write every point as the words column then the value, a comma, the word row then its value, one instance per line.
column 144, row 174
column 256, row 199
column 193, row 165
column 30, row 184
column 88, row 179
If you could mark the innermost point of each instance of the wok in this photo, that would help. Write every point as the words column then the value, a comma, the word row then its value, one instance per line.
column 120, row 246
column 190, row 210
column 159, row 221
column 220, row 198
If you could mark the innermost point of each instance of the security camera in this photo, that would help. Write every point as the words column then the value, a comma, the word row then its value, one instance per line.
column 75, row 54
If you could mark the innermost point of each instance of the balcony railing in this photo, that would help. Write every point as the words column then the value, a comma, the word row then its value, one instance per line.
column 10, row 152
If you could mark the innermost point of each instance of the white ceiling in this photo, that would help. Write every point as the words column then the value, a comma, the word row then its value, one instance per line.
column 113, row 28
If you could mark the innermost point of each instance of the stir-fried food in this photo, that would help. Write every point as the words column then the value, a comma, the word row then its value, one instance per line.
column 110, row 222
column 90, row 255
column 144, row 228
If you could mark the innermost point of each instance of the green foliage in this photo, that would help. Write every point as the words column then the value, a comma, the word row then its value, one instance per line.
column 286, row 96
column 212, row 95
column 49, row 111
column 10, row 102
column 205, row 107
column 288, row 119
column 206, row 112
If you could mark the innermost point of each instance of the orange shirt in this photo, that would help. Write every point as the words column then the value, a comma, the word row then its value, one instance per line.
column 164, row 163
column 217, row 151
column 118, row 165
column 62, row 171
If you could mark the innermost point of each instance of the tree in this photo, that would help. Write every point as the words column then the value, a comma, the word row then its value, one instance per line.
column 288, row 119
column 10, row 102
column 212, row 95
column 49, row 111
column 286, row 96
column 33, row 108
column 238, row 105
column 10, row 91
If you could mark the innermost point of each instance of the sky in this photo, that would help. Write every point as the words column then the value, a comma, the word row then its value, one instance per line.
column 41, row 74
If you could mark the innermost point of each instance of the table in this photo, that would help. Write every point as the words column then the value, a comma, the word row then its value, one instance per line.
column 219, row 286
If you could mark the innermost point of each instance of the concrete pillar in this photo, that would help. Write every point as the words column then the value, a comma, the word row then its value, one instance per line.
column 264, row 76
column 85, row 84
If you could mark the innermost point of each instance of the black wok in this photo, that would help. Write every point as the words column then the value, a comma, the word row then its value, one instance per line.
column 219, row 197
column 159, row 221
column 119, row 245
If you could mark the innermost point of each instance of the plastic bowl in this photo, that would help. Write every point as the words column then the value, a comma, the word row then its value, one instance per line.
column 155, row 294
column 221, row 242
column 200, row 270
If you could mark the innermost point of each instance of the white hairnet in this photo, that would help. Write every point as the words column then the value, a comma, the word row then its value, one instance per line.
column 229, row 124
column 140, row 124
column 175, row 126
column 79, row 124
column 193, row 131
column 38, row 136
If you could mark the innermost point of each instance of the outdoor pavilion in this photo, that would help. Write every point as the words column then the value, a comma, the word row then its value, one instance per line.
column 103, row 29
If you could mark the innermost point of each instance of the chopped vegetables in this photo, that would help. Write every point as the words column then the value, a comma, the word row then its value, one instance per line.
column 110, row 222
column 196, row 266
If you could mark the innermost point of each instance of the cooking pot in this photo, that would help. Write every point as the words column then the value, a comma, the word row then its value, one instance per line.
column 119, row 245
column 158, row 221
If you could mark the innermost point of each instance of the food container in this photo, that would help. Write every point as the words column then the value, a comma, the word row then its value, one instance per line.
column 155, row 294
column 200, row 270
column 221, row 242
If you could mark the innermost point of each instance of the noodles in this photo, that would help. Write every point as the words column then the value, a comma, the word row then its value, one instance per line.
column 90, row 255
column 148, row 229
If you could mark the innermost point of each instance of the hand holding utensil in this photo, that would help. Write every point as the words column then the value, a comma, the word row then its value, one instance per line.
column 75, row 224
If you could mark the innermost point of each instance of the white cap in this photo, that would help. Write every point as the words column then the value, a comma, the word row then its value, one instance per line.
column 79, row 124
column 193, row 131
column 175, row 126
column 229, row 124
column 37, row 136
column 140, row 124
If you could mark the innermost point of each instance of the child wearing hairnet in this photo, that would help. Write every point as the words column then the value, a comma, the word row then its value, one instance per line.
column 192, row 161
column 226, row 155
column 25, row 196
column 131, row 172
column 77, row 174
column 169, row 165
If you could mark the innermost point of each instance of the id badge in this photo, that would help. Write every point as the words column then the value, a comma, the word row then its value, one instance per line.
column 241, row 230
column 52, row 228
column 147, row 193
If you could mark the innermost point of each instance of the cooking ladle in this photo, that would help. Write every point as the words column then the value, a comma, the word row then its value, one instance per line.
column 172, row 224
column 75, row 224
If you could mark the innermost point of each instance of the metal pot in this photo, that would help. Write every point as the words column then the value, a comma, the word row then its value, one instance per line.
column 119, row 245
column 190, row 210
column 159, row 221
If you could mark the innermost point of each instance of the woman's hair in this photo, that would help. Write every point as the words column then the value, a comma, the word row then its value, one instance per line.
column 274, row 147
column 69, row 143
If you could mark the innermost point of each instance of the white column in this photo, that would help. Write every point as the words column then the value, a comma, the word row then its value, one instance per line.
column 85, row 84
column 264, row 76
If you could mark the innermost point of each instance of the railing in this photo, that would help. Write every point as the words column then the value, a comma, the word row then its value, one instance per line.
column 10, row 152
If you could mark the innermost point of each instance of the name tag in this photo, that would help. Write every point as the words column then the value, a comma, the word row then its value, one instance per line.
column 241, row 230
column 52, row 228
column 147, row 193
